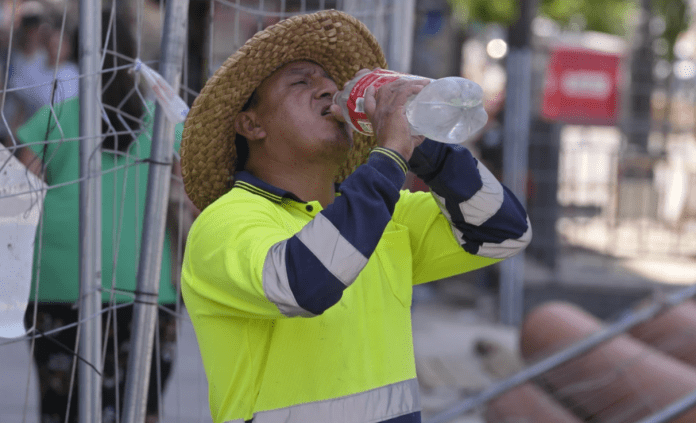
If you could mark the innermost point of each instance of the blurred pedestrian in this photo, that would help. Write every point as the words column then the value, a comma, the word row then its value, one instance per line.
column 125, row 149
column 58, row 79
column 27, row 54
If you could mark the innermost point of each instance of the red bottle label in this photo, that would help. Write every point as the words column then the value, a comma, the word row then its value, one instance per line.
column 356, row 99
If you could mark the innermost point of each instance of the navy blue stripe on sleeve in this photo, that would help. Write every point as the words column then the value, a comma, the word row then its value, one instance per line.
column 510, row 222
column 449, row 170
column 314, row 287
column 367, row 201
column 434, row 159
column 480, row 209
column 407, row 418
column 329, row 253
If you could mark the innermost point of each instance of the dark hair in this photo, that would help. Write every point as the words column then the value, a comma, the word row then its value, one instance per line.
column 117, row 84
column 26, row 24
column 31, row 21
column 240, row 141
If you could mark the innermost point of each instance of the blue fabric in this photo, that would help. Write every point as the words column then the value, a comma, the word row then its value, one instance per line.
column 408, row 418
column 366, row 204
column 362, row 211
column 367, row 201
column 439, row 164
column 247, row 177
column 451, row 172
column 508, row 223
column 313, row 286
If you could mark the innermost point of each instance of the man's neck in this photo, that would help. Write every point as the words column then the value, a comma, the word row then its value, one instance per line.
column 308, row 182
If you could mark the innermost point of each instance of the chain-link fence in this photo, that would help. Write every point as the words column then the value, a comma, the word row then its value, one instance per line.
column 622, row 204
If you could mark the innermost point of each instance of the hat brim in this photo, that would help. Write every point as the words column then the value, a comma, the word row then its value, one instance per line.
column 336, row 41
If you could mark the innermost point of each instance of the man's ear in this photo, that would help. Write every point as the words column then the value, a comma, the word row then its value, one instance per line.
column 248, row 125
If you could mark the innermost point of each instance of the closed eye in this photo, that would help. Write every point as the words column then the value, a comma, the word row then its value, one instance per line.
column 299, row 82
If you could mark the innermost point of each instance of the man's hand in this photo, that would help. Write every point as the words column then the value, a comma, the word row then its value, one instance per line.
column 386, row 111
column 385, row 107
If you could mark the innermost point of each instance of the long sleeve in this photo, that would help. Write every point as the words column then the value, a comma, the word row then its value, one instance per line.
column 254, row 252
column 329, row 253
column 485, row 216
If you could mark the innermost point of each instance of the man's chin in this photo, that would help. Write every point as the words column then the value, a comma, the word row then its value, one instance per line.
column 344, row 136
column 348, row 131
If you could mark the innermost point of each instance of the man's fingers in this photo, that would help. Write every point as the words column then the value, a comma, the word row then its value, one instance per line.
column 359, row 73
column 370, row 101
column 392, row 95
column 398, row 92
column 336, row 112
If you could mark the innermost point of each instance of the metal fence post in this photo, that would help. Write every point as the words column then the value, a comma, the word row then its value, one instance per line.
column 515, row 151
column 90, row 213
column 515, row 164
column 401, row 43
column 150, row 263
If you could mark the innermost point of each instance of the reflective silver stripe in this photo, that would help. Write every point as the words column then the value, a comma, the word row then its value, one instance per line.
column 507, row 248
column 458, row 235
column 487, row 200
column 235, row 421
column 375, row 405
column 440, row 201
column 276, row 285
column 327, row 244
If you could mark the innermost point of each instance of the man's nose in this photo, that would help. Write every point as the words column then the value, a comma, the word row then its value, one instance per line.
column 325, row 87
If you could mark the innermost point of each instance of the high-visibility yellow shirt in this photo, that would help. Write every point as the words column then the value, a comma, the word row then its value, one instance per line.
column 302, row 314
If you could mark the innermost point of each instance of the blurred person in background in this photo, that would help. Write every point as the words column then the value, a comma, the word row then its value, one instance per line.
column 27, row 54
column 59, row 74
column 124, row 150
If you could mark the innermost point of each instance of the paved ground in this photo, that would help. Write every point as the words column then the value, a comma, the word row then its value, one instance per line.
column 186, row 397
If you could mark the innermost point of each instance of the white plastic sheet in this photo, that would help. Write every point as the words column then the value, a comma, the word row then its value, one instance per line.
column 173, row 106
column 21, row 200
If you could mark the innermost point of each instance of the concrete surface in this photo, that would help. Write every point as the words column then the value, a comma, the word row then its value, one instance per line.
column 185, row 398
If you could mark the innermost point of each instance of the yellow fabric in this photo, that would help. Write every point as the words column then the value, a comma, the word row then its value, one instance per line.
column 255, row 358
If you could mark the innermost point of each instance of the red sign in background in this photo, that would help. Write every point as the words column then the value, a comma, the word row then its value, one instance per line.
column 582, row 86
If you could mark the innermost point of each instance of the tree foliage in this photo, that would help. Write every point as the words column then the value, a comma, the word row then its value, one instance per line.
column 483, row 11
column 609, row 16
column 676, row 19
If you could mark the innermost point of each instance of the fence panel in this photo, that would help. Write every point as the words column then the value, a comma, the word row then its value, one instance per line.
column 49, row 145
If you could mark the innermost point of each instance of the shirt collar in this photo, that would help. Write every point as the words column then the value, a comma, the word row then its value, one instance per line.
column 254, row 185
column 251, row 183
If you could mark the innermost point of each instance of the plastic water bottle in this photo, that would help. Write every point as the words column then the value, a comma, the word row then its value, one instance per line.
column 448, row 110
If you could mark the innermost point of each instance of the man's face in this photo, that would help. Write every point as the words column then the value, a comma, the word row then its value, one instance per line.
column 293, row 110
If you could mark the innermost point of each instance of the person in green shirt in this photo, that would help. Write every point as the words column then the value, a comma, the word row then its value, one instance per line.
column 52, row 135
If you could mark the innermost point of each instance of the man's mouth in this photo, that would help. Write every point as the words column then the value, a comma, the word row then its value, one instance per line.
column 326, row 110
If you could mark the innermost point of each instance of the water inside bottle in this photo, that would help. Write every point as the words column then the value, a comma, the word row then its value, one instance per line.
column 448, row 110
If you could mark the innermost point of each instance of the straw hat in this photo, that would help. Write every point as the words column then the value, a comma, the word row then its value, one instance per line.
column 338, row 42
